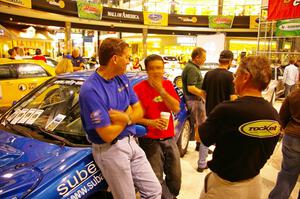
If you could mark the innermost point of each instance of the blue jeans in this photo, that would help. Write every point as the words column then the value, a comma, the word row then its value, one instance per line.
column 203, row 151
column 290, row 168
column 164, row 158
column 124, row 166
column 288, row 89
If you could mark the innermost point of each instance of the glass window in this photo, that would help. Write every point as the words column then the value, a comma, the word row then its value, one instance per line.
column 5, row 72
column 28, row 70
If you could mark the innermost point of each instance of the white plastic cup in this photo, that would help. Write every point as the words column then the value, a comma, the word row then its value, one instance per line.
column 165, row 116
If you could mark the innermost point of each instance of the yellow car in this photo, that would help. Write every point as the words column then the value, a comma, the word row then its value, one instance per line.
column 18, row 77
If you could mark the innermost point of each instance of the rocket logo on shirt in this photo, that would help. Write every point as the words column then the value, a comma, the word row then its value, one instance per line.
column 260, row 128
column 96, row 117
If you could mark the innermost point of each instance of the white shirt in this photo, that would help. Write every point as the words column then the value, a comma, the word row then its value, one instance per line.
column 291, row 75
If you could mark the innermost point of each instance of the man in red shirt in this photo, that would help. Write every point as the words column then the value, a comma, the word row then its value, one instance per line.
column 38, row 55
column 156, row 96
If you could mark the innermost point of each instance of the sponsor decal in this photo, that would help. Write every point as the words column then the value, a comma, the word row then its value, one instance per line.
column 83, row 180
column 123, row 15
column 155, row 17
column 188, row 19
column 96, row 117
column 23, row 3
column 59, row 3
column 220, row 21
column 289, row 27
column 260, row 128
column 22, row 87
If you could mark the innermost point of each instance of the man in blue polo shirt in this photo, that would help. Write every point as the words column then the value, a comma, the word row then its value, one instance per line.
column 77, row 60
column 108, row 107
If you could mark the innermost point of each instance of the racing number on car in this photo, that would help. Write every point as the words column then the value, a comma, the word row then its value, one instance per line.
column 31, row 85
column 22, row 87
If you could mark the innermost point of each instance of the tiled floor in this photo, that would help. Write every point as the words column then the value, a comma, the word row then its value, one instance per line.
column 192, row 181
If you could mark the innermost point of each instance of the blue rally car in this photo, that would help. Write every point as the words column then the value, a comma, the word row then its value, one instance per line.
column 43, row 149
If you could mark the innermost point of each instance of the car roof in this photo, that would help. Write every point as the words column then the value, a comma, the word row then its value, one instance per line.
column 49, row 69
column 83, row 75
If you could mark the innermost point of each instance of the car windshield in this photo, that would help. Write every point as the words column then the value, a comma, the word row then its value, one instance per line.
column 51, row 111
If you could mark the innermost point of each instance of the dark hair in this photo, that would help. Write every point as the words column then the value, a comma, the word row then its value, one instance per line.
column 152, row 57
column 260, row 70
column 110, row 47
column 198, row 52
column 10, row 51
column 38, row 51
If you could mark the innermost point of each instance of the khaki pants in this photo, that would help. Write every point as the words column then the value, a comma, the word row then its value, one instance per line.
column 216, row 188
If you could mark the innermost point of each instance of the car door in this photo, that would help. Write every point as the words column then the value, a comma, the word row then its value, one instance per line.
column 7, row 80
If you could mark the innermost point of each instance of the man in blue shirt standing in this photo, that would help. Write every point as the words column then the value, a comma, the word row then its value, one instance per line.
column 108, row 107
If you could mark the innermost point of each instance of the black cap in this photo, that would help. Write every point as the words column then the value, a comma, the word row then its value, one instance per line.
column 226, row 55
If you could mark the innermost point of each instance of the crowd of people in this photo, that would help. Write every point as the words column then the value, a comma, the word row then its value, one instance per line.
column 225, row 108
column 226, row 111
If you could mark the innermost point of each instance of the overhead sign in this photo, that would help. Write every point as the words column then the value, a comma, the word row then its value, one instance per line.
column 61, row 7
column 120, row 15
column 89, row 9
column 155, row 18
column 289, row 27
column 188, row 20
column 254, row 21
column 223, row 22
column 283, row 9
column 23, row 3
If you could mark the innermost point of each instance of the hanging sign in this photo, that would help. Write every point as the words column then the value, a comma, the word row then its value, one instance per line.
column 283, row 9
column 289, row 27
column 89, row 9
column 23, row 3
column 220, row 21
column 156, row 19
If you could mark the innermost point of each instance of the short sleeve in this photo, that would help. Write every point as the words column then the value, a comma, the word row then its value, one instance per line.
column 192, row 77
column 93, row 110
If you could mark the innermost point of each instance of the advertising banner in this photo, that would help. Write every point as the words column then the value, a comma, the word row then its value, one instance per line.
column 217, row 22
column 89, row 9
column 188, row 20
column 23, row 3
column 156, row 19
column 254, row 21
column 289, row 27
column 65, row 7
column 120, row 15
column 283, row 9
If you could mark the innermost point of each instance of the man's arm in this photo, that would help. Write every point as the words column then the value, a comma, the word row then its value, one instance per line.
column 196, row 91
column 284, row 113
column 119, row 120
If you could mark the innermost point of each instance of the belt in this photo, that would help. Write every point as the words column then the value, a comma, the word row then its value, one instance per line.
column 117, row 138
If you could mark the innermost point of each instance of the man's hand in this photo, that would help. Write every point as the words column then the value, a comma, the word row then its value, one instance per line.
column 118, row 116
column 160, row 124
column 156, row 83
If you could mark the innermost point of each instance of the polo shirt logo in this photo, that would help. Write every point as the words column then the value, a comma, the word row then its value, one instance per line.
column 260, row 128
column 157, row 99
column 122, row 88
column 96, row 117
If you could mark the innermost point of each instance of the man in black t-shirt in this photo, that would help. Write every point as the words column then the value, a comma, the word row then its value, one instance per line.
column 218, row 83
column 245, row 132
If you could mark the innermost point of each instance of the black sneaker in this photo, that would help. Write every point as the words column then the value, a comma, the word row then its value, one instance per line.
column 199, row 169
